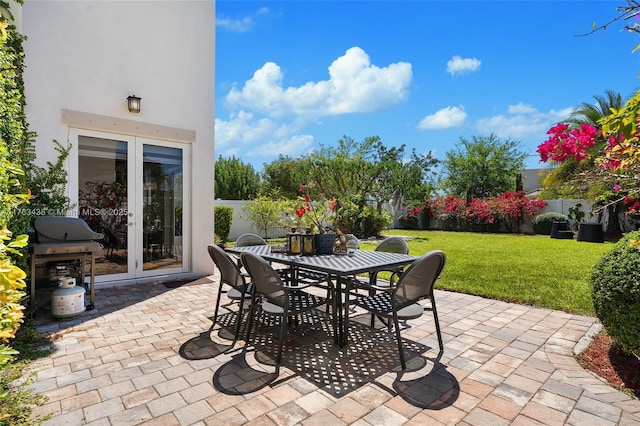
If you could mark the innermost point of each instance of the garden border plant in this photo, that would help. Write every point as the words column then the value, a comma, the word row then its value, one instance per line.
column 510, row 209
column 616, row 293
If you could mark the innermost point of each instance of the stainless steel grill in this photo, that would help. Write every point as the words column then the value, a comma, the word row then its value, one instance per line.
column 64, row 239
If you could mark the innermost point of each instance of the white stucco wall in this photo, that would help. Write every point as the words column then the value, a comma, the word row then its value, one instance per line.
column 88, row 56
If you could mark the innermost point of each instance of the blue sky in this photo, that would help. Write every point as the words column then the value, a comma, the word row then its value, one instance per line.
column 294, row 75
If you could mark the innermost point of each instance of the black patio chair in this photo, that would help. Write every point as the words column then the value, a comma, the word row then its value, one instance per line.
column 231, row 275
column 391, row 245
column 371, row 283
column 400, row 302
column 249, row 239
column 246, row 240
column 278, row 299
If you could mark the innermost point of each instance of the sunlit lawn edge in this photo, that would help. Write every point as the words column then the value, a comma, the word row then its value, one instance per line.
column 526, row 269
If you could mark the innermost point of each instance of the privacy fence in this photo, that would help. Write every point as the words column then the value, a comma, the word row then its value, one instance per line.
column 240, row 226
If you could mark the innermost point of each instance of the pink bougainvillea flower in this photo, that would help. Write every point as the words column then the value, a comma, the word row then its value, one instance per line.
column 616, row 187
column 565, row 143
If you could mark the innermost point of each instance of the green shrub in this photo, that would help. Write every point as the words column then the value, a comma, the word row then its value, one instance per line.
column 449, row 221
column 364, row 222
column 541, row 224
column 616, row 292
column 408, row 222
column 222, row 218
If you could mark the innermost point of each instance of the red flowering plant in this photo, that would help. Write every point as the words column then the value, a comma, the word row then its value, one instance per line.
column 480, row 214
column 409, row 217
column 615, row 150
column 317, row 215
column 514, row 207
column 565, row 143
column 632, row 205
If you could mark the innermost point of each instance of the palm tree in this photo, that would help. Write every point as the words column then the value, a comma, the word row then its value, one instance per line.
column 593, row 113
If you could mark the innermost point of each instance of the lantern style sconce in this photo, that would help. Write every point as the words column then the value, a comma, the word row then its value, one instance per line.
column 308, row 244
column 133, row 102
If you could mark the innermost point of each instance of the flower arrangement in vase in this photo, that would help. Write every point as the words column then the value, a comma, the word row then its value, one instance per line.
column 316, row 214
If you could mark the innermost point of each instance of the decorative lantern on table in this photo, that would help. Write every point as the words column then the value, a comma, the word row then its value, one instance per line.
column 308, row 244
column 295, row 243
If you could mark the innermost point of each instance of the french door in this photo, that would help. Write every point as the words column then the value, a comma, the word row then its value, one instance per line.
column 132, row 190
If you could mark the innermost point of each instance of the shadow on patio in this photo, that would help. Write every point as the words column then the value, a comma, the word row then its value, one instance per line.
column 310, row 353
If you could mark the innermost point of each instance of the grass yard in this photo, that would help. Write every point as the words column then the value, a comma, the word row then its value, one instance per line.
column 526, row 269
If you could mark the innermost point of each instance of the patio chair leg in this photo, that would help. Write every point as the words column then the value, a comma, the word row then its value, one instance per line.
column 435, row 318
column 238, row 322
column 403, row 363
column 215, row 313
column 283, row 325
column 251, row 314
column 334, row 315
column 373, row 316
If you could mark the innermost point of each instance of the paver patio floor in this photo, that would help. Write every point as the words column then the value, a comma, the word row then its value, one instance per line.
column 146, row 355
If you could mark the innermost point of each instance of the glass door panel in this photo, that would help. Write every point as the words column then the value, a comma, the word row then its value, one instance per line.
column 103, row 200
column 162, row 207
column 132, row 190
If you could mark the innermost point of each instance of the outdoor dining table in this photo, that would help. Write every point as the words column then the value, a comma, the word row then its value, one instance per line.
column 339, row 268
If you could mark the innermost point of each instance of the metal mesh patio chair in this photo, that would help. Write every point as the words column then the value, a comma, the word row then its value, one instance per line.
column 400, row 302
column 230, row 274
column 391, row 245
column 388, row 245
column 249, row 239
column 246, row 240
column 278, row 299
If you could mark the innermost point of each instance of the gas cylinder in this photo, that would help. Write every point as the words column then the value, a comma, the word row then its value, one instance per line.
column 68, row 299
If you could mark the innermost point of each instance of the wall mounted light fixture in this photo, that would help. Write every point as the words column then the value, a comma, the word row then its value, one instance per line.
column 133, row 102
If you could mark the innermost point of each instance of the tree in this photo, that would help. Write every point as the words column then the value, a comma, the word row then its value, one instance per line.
column 361, row 175
column 627, row 13
column 483, row 167
column 564, row 180
column 283, row 176
column 235, row 180
column 264, row 212
column 369, row 172
column 577, row 170
column 593, row 113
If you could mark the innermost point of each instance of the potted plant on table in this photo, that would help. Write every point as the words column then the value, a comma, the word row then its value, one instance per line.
column 319, row 217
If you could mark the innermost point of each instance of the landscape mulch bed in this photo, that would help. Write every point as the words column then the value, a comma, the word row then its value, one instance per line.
column 605, row 359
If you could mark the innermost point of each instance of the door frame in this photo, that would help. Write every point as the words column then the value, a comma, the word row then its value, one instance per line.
column 135, row 243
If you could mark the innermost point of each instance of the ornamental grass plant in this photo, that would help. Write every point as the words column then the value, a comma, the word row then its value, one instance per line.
column 532, row 270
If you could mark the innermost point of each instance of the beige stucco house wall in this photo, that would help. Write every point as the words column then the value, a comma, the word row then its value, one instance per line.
column 84, row 58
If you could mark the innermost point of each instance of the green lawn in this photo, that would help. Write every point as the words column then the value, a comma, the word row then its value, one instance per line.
column 526, row 269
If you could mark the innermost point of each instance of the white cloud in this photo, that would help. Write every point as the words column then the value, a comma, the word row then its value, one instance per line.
column 451, row 116
column 521, row 108
column 459, row 65
column 240, row 25
column 293, row 146
column 354, row 86
column 246, row 136
column 521, row 121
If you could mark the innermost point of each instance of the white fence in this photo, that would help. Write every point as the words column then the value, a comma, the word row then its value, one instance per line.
column 240, row 226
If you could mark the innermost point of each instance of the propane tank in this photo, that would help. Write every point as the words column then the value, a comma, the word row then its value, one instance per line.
column 68, row 299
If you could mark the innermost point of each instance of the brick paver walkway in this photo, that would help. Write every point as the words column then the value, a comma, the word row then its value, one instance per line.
column 145, row 356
